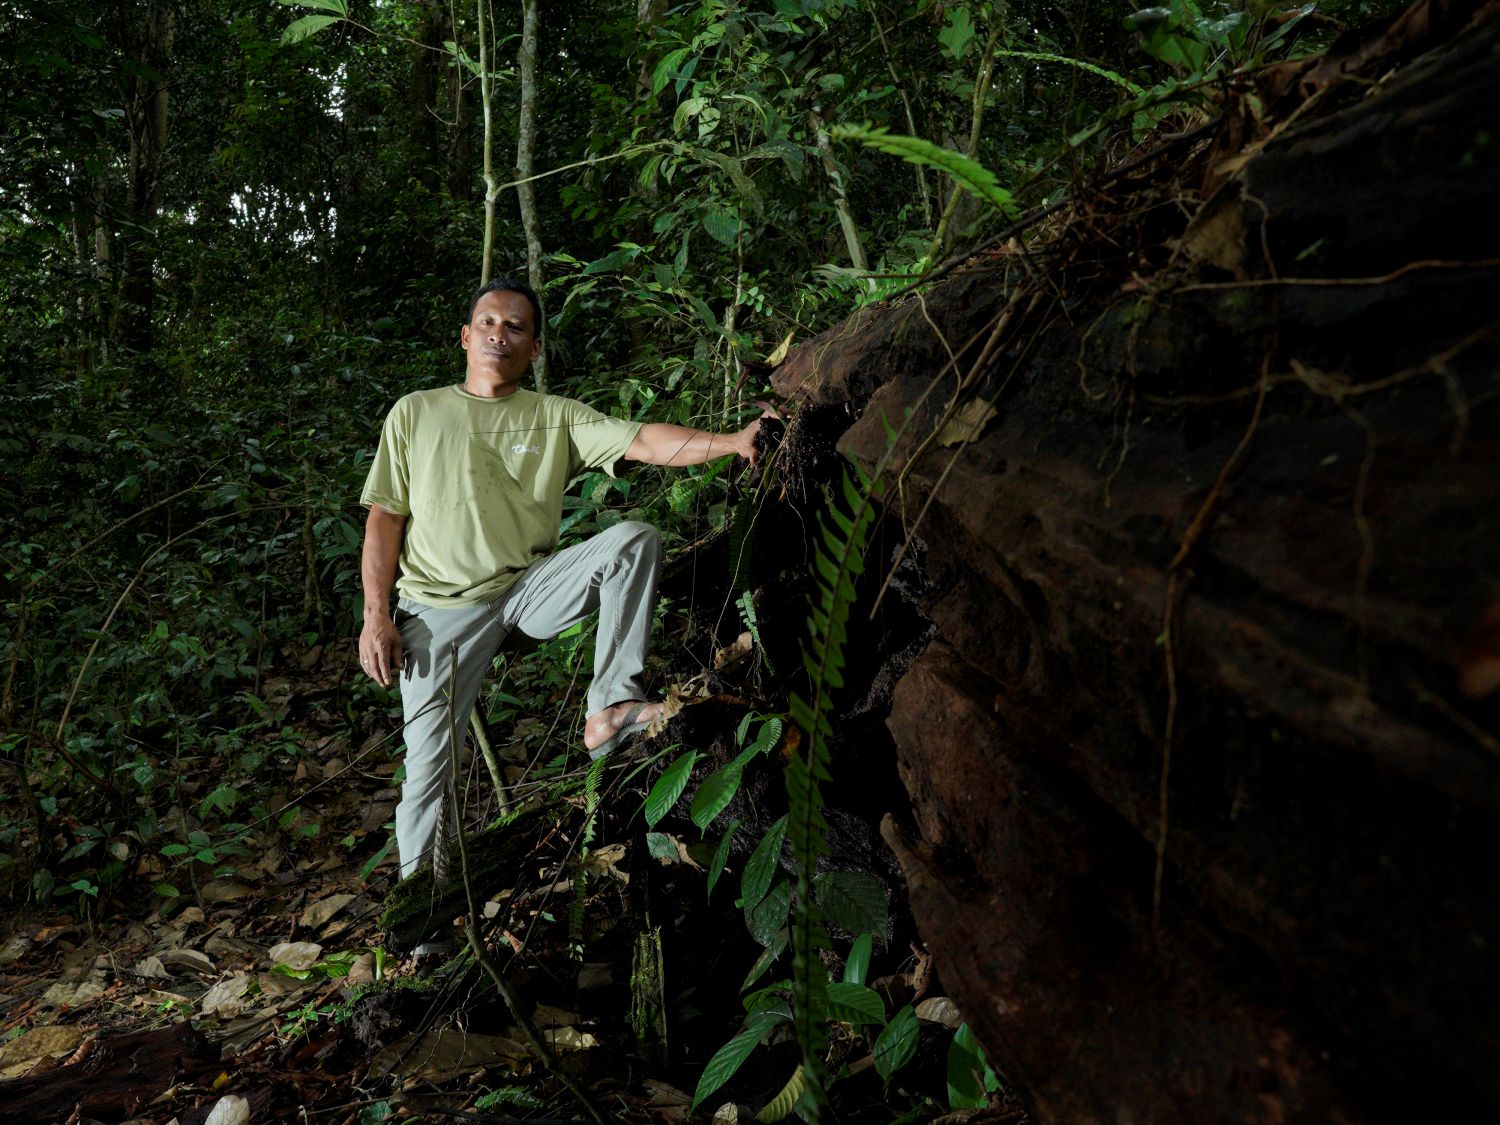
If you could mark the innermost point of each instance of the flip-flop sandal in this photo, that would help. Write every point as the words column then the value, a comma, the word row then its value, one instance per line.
column 631, row 725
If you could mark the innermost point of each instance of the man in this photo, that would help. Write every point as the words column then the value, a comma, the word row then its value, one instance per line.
column 465, row 494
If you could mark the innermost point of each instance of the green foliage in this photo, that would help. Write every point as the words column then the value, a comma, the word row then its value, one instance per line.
column 838, row 561
column 966, row 173
column 896, row 1043
column 786, row 1099
column 970, row 1079
column 730, row 1057
column 669, row 787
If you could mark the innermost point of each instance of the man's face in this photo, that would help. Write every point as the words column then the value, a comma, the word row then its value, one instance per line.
column 500, row 340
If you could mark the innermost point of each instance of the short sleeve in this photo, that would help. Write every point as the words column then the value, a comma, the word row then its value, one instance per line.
column 389, row 480
column 598, row 440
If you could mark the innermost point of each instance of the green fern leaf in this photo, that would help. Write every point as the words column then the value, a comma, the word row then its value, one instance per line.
column 968, row 174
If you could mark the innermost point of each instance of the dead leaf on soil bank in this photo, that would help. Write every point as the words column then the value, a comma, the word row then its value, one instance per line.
column 742, row 647
column 363, row 969
column 231, row 1109
column 151, row 968
column 297, row 955
column 568, row 1039
column 222, row 890
column 318, row 914
column 967, row 424
column 14, row 949
column 274, row 985
column 70, row 994
column 940, row 1009
column 227, row 998
column 606, row 861
column 53, row 1041
column 188, row 959
column 548, row 1016
column 448, row 1053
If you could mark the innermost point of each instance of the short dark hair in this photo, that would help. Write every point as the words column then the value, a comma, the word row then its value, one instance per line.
column 510, row 285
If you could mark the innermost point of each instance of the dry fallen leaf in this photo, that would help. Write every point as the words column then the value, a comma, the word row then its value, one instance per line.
column 319, row 913
column 548, row 1016
column 569, row 1039
column 222, row 890
column 231, row 1109
column 448, row 1053
column 151, row 968
column 297, row 955
column 776, row 357
column 17, row 947
column 227, row 998
column 53, row 1041
column 363, row 969
column 189, row 959
column 940, row 1009
column 967, row 424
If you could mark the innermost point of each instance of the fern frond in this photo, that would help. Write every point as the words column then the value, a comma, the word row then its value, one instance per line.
column 968, row 174
column 592, row 779
column 839, row 561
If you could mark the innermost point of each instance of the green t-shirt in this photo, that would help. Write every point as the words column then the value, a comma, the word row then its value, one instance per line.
column 480, row 482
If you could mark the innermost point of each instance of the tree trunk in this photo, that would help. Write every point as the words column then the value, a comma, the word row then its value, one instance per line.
column 525, row 169
column 1203, row 760
column 150, row 38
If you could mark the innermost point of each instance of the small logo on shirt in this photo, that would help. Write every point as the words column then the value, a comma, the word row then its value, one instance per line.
column 522, row 447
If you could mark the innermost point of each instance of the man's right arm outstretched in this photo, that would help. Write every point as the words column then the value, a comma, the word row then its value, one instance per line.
column 380, row 640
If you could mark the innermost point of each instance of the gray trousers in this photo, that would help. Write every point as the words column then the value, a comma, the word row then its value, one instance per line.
column 614, row 573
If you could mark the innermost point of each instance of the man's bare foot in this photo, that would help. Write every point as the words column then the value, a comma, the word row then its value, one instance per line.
column 606, row 726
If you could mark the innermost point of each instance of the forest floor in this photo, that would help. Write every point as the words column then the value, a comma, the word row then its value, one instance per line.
column 273, row 983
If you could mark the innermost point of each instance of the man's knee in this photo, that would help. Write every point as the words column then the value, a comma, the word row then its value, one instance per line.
column 634, row 532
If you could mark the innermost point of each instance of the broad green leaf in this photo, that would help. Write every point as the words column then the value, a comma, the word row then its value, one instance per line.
column 958, row 31
column 686, row 110
column 339, row 8
column 897, row 1043
column 304, row 28
column 659, row 845
column 858, row 963
column 763, row 864
column 714, row 795
column 968, row 174
column 767, row 738
column 853, row 901
column 669, row 787
column 784, row 1102
column 854, row 1003
column 664, row 69
column 721, row 855
column 789, row 153
column 769, row 915
column 625, row 252
column 969, row 1077
column 722, row 226
column 728, row 1058
column 766, row 959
